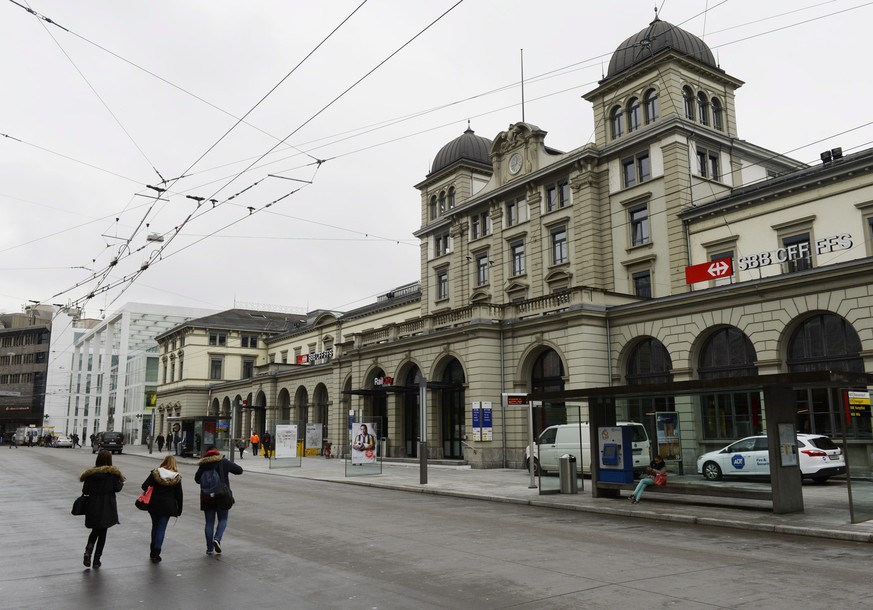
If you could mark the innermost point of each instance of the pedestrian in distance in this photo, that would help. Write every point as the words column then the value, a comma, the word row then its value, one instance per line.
column 267, row 443
column 212, row 470
column 100, row 483
column 241, row 445
column 656, row 474
column 166, row 502
column 255, row 440
column 160, row 442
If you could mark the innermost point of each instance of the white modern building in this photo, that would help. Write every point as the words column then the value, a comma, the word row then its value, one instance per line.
column 114, row 370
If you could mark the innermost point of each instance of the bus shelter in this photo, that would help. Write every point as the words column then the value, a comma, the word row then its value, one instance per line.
column 673, row 411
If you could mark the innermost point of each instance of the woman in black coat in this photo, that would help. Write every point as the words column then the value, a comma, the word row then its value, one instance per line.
column 166, row 501
column 100, row 484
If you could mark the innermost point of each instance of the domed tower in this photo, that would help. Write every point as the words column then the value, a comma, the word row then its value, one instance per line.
column 460, row 169
column 666, row 127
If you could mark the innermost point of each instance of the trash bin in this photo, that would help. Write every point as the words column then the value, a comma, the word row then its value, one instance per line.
column 567, row 474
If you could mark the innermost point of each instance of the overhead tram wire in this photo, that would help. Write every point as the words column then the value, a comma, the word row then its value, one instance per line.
column 333, row 101
column 94, row 91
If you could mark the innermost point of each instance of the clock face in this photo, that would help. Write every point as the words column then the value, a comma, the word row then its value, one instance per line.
column 515, row 163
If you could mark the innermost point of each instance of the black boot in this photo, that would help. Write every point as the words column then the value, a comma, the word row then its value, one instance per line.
column 86, row 561
column 96, row 563
column 155, row 555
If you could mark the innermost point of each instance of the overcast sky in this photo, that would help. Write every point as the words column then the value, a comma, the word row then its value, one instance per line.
column 110, row 98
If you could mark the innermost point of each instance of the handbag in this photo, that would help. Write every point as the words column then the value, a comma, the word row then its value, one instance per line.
column 80, row 506
column 223, row 497
column 142, row 502
column 660, row 478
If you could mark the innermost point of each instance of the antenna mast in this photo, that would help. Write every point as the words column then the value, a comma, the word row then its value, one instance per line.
column 522, row 85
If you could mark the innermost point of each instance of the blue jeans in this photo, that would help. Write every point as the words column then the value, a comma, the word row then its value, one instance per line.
column 213, row 533
column 159, row 528
column 641, row 487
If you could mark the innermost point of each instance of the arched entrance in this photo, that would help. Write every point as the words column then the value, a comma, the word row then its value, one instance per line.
column 411, row 413
column 648, row 362
column 547, row 375
column 284, row 405
column 453, row 411
column 301, row 406
column 321, row 412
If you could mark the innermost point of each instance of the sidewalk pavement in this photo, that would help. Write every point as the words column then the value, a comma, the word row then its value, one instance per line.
column 826, row 513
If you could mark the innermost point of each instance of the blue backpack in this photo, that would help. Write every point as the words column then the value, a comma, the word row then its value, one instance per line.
column 210, row 480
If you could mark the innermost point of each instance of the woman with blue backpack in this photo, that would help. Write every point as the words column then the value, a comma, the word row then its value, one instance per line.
column 215, row 495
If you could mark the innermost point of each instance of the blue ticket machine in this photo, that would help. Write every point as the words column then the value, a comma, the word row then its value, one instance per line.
column 616, row 454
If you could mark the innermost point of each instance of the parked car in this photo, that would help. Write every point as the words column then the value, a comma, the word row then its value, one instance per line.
column 64, row 441
column 555, row 441
column 819, row 458
column 111, row 441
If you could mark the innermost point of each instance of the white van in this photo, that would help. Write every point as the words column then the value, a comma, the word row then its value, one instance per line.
column 556, row 441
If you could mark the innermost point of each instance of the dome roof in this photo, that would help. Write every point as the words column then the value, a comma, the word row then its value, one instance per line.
column 468, row 147
column 658, row 37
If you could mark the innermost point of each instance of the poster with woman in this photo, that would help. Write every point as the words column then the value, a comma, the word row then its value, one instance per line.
column 364, row 445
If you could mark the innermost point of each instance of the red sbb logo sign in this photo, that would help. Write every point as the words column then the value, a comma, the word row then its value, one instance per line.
column 713, row 270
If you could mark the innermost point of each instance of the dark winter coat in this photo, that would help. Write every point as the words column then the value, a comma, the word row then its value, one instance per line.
column 166, row 492
column 211, row 462
column 100, row 484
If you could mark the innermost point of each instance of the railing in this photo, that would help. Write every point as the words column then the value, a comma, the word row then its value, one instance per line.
column 471, row 314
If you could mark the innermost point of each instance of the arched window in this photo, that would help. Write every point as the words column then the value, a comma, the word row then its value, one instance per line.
column 703, row 108
column 650, row 102
column 433, row 207
column 826, row 342
column 442, row 202
column 616, row 121
column 451, row 197
column 727, row 353
column 633, row 114
column 649, row 362
column 717, row 121
column 688, row 97
column 729, row 415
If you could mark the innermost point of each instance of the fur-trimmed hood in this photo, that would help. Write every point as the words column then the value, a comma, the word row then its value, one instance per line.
column 166, row 477
column 101, row 470
column 212, row 459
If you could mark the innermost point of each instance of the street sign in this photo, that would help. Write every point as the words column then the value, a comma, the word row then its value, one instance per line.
column 712, row 270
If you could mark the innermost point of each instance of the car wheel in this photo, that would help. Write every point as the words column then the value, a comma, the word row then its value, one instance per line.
column 819, row 480
column 712, row 471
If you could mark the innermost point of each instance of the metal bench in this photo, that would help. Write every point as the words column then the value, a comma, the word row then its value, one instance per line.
column 690, row 489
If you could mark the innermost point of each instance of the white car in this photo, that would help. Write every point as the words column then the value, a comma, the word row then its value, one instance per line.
column 820, row 458
column 63, row 441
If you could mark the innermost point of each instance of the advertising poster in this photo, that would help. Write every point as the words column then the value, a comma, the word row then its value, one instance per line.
column 487, row 419
column 364, row 444
column 477, row 421
column 285, row 441
column 313, row 439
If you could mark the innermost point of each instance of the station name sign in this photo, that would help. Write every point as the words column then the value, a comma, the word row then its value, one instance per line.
column 824, row 245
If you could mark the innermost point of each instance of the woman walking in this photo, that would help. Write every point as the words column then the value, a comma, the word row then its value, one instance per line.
column 166, row 501
column 213, row 469
column 100, row 484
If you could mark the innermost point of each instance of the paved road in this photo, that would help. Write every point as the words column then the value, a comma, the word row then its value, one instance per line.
column 298, row 543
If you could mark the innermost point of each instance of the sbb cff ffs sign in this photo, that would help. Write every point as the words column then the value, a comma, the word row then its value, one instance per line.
column 712, row 270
